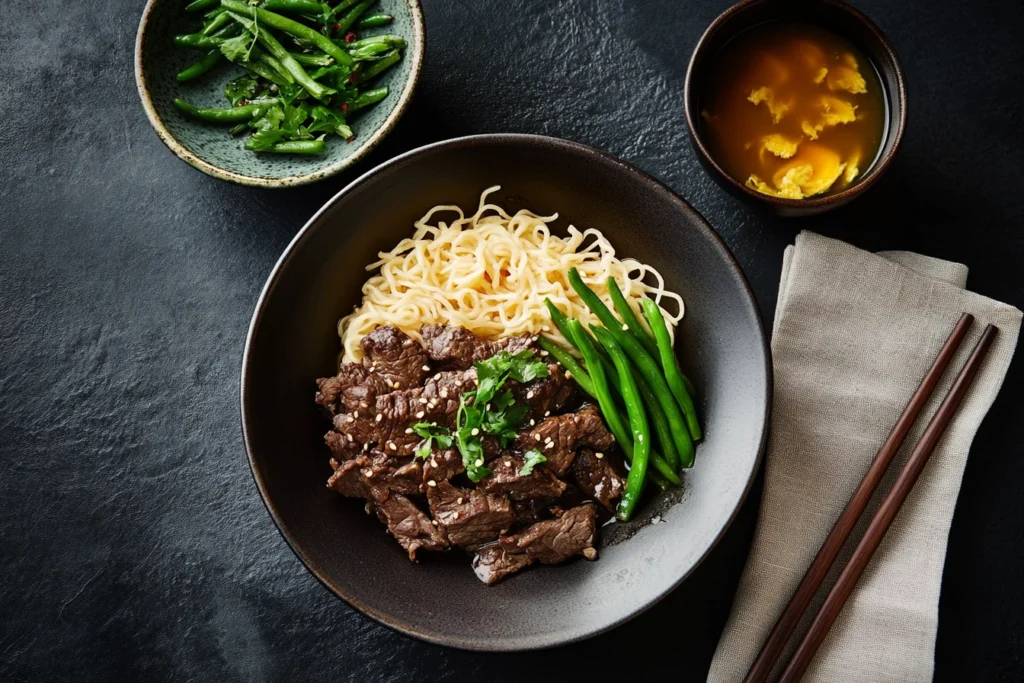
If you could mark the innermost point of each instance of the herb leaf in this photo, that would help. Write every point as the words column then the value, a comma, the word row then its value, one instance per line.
column 531, row 459
column 432, row 433
column 242, row 88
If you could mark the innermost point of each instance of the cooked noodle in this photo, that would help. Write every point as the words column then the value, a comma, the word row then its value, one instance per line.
column 490, row 272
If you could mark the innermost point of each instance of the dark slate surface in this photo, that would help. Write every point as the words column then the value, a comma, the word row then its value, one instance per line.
column 133, row 544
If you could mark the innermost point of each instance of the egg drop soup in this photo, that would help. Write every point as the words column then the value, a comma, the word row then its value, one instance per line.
column 793, row 111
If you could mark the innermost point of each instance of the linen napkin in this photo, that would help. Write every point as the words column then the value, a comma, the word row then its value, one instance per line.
column 854, row 334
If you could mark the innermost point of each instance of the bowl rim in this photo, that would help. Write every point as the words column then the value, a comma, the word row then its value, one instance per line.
column 811, row 203
column 542, row 641
column 415, row 54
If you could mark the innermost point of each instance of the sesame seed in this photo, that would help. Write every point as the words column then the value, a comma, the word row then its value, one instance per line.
column 625, row 327
column 431, row 405
column 431, row 483
column 549, row 445
column 639, row 437
column 546, row 413
column 355, row 414
column 508, row 463
column 434, row 522
column 589, row 553
column 350, row 439
column 366, row 446
column 409, row 430
column 568, row 375
column 529, row 394
column 598, row 455
column 423, row 401
column 350, row 419
column 433, row 462
column 458, row 382
column 392, row 446
column 444, row 393
column 532, row 422
column 426, row 368
column 378, row 418
column 396, row 385
column 455, row 515
column 420, row 414
column 458, row 501
column 543, row 353
column 474, row 431
column 488, row 406
column 479, row 462
column 537, row 437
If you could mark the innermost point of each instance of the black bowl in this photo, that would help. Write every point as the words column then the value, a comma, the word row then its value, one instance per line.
column 835, row 16
column 292, row 340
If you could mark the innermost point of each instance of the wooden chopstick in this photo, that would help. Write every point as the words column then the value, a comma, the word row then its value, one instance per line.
column 787, row 623
column 886, row 513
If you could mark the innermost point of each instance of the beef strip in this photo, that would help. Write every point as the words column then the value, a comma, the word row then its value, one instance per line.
column 544, row 395
column 395, row 356
column 354, row 388
column 597, row 477
column 505, row 478
column 556, row 540
column 406, row 522
column 566, row 434
column 407, row 478
column 358, row 476
column 456, row 347
column 469, row 517
column 443, row 465
column 493, row 563
column 341, row 448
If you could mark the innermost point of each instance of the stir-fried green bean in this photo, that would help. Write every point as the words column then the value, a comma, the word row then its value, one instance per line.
column 200, row 67
column 629, row 318
column 200, row 5
column 347, row 20
column 673, row 376
column 375, row 20
column 368, row 97
column 292, row 28
column 300, row 6
column 233, row 115
column 643, row 362
column 579, row 375
column 297, row 147
column 197, row 40
column 637, row 424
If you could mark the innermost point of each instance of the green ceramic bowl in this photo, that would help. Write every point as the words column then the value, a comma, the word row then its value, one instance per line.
column 209, row 148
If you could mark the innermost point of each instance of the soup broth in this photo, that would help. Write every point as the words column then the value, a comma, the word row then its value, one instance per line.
column 793, row 111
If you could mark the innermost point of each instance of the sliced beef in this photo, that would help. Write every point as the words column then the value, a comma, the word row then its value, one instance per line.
column 560, row 436
column 342, row 448
column 556, row 540
column 544, row 395
column 458, row 348
column 505, row 478
column 597, row 477
column 443, row 465
column 406, row 522
column 360, row 475
column 407, row 478
column 493, row 563
column 469, row 517
column 395, row 357
column 354, row 388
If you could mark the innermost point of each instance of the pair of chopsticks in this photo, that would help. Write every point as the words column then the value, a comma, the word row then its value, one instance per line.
column 826, row 615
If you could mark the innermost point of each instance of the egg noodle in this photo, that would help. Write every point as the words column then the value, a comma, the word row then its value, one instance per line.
column 490, row 272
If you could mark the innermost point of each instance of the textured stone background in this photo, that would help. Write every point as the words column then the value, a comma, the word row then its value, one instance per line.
column 133, row 544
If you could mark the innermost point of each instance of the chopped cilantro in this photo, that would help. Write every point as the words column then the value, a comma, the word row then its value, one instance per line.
column 432, row 433
column 531, row 459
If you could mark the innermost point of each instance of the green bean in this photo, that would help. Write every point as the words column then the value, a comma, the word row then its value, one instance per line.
column 378, row 67
column 397, row 42
column 352, row 15
column 302, row 6
column 643, row 362
column 629, row 318
column 307, row 59
column 288, row 64
column 579, row 339
column 197, row 40
column 216, row 24
column 670, row 365
column 297, row 147
column 200, row 67
column 375, row 20
column 581, row 376
column 235, row 131
column 369, row 52
column 292, row 28
column 637, row 423
column 275, row 64
column 200, row 5
column 266, row 72
column 366, row 98
column 233, row 115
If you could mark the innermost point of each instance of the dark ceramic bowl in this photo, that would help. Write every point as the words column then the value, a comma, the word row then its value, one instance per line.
column 835, row 16
column 293, row 340
column 208, row 146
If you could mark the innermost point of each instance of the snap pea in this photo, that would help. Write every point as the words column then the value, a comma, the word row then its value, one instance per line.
column 658, row 418
column 375, row 20
column 637, row 423
column 233, row 115
column 200, row 67
column 670, row 365
column 644, row 364
column 292, row 28
column 581, row 376
column 629, row 317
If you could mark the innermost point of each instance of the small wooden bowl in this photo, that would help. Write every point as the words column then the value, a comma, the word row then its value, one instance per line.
column 209, row 148
column 835, row 16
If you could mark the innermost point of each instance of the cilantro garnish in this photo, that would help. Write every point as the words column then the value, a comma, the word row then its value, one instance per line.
column 432, row 433
column 531, row 459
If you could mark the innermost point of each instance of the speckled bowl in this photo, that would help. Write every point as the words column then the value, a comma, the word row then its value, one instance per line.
column 293, row 340
column 209, row 148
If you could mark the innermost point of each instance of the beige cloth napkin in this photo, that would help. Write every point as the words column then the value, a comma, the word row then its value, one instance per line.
column 854, row 334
